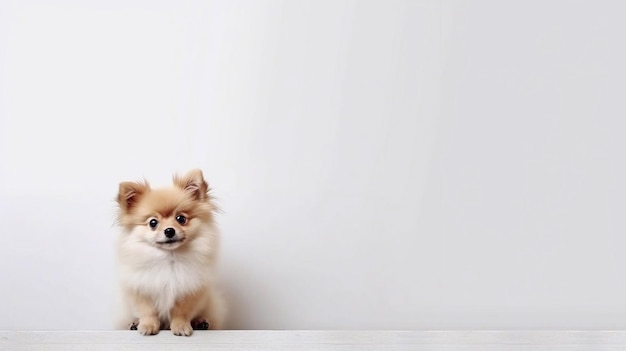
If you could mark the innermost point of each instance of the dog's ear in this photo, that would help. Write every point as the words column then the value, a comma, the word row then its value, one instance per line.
column 193, row 182
column 130, row 193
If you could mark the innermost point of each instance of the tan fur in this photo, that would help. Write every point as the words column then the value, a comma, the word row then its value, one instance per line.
column 184, row 310
column 148, row 315
column 168, row 282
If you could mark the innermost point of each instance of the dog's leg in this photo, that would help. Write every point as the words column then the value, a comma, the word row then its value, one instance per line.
column 211, row 312
column 214, row 309
column 148, row 315
column 184, row 309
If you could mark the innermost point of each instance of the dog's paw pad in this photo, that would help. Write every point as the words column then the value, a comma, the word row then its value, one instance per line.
column 200, row 324
column 133, row 326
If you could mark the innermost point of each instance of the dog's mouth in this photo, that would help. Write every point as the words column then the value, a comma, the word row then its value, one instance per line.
column 170, row 241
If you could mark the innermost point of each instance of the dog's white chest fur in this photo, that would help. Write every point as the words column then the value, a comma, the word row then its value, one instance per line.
column 167, row 279
column 163, row 275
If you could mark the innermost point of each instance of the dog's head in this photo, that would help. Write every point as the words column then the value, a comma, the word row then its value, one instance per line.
column 166, row 218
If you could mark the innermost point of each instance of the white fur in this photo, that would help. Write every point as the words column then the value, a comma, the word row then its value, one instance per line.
column 165, row 275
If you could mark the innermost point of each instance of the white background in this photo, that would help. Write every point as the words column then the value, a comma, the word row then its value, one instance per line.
column 380, row 164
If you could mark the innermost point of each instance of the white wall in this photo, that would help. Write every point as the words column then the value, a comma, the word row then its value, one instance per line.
column 381, row 164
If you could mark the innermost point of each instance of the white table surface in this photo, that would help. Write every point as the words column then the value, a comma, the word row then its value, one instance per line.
column 315, row 340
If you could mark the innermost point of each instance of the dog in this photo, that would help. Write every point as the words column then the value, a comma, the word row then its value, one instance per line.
column 167, row 253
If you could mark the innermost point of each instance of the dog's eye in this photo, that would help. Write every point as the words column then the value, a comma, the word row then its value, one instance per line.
column 181, row 219
column 153, row 223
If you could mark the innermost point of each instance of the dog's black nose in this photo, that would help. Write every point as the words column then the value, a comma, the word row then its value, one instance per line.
column 170, row 232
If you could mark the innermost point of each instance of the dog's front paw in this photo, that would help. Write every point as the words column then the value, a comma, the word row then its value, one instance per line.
column 181, row 327
column 148, row 327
